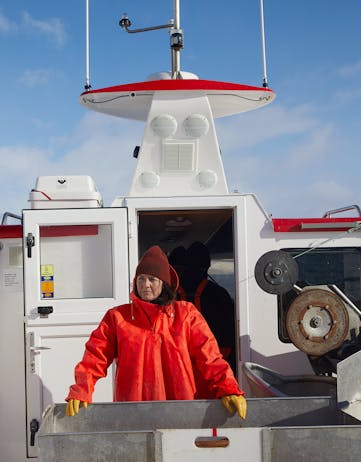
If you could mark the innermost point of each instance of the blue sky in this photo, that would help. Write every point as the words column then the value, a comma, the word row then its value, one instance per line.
column 300, row 155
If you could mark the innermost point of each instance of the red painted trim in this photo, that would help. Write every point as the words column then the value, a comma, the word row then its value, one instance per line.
column 294, row 225
column 68, row 230
column 10, row 231
column 175, row 84
column 14, row 231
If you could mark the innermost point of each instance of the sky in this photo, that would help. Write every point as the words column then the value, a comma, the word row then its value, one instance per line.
column 300, row 155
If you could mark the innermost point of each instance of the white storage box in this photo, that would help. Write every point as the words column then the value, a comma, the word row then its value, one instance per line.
column 76, row 191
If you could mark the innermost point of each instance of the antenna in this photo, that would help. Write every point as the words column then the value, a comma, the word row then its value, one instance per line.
column 87, row 85
column 175, row 32
column 265, row 83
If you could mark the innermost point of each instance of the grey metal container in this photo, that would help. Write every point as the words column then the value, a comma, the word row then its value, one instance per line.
column 276, row 429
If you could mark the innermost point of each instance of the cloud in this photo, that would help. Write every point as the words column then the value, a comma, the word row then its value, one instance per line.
column 330, row 189
column 350, row 70
column 103, row 148
column 41, row 124
column 35, row 77
column 253, row 128
column 349, row 95
column 52, row 28
column 18, row 169
column 6, row 25
column 312, row 151
column 291, row 159
column 298, row 171
column 100, row 146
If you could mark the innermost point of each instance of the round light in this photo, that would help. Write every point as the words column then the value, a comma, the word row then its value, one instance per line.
column 149, row 179
column 207, row 178
column 196, row 125
column 164, row 125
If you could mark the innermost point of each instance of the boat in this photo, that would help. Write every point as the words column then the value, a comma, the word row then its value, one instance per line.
column 295, row 283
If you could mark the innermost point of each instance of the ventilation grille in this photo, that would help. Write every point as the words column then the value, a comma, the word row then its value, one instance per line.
column 178, row 157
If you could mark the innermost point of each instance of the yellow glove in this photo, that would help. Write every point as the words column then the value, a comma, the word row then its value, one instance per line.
column 235, row 403
column 72, row 407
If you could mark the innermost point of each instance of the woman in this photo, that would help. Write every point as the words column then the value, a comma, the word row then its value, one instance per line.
column 157, row 342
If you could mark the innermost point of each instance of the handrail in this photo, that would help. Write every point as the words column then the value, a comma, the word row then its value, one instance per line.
column 342, row 209
column 9, row 214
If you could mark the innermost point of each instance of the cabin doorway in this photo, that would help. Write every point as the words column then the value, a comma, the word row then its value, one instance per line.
column 186, row 229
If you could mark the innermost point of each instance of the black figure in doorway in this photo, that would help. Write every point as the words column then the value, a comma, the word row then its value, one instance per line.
column 211, row 299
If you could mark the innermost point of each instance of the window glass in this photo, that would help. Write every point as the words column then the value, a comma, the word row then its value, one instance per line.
column 76, row 261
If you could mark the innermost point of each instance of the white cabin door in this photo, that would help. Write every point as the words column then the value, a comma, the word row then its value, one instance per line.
column 75, row 269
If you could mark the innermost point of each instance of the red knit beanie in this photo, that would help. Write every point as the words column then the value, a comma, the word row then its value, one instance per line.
column 155, row 262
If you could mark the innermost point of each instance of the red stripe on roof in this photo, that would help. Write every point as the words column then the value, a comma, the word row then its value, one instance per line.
column 10, row 231
column 292, row 225
column 175, row 84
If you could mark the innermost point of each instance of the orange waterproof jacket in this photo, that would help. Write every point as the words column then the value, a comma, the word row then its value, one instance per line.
column 155, row 349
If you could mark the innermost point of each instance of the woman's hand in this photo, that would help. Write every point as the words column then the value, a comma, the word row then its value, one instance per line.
column 73, row 405
column 235, row 403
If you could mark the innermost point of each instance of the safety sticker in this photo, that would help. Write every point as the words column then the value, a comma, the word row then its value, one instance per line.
column 47, row 281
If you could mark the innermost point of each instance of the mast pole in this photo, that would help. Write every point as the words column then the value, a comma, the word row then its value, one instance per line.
column 176, row 41
column 176, row 13
column 87, row 77
column 265, row 82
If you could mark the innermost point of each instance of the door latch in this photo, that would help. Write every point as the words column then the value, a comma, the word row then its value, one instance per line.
column 44, row 311
column 30, row 242
column 34, row 428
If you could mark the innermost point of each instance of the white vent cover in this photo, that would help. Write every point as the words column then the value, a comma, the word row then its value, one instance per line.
column 178, row 157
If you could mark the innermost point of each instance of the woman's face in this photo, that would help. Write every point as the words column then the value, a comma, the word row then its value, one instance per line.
column 149, row 287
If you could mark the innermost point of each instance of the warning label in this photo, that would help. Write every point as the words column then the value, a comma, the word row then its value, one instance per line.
column 47, row 281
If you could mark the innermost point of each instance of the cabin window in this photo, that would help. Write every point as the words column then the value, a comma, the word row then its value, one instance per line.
column 76, row 261
column 323, row 266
